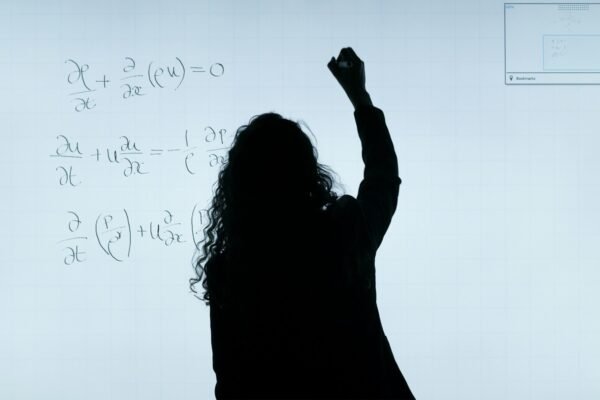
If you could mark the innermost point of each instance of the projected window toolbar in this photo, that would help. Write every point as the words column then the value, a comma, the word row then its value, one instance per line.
column 552, row 43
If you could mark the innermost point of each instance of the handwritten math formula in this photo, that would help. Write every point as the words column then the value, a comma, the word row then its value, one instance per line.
column 78, row 159
column 116, row 233
column 132, row 158
column 132, row 80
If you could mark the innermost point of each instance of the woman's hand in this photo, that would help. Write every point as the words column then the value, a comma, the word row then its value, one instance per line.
column 349, row 70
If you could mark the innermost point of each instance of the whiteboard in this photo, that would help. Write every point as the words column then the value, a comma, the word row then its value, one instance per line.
column 488, row 278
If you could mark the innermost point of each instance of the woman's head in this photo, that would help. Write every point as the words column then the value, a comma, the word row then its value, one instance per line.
column 271, row 179
column 272, row 161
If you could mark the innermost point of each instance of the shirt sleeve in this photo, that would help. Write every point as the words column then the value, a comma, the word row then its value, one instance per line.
column 378, row 191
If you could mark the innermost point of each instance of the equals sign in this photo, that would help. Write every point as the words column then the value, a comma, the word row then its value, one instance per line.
column 156, row 152
column 197, row 69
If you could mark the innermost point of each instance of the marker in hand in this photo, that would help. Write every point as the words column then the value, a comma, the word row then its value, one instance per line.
column 349, row 71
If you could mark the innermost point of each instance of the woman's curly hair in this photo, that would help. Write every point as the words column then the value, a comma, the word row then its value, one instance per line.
column 271, row 158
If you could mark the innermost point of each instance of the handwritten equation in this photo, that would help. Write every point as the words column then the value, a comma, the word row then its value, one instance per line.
column 132, row 158
column 133, row 80
column 116, row 233
column 558, row 47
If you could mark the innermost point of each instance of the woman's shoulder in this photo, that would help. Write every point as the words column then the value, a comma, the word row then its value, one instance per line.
column 342, row 205
column 345, row 214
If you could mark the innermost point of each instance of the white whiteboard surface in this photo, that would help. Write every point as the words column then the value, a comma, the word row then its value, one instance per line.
column 488, row 278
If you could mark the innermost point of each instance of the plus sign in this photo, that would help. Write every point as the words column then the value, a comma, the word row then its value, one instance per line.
column 141, row 231
column 104, row 81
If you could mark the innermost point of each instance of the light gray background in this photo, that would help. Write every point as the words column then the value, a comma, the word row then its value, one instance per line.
column 488, row 278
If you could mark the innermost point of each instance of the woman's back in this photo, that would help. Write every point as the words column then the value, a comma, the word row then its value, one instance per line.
column 308, row 325
column 300, row 322
column 302, row 319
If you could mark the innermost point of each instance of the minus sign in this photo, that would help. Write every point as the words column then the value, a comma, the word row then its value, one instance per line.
column 173, row 149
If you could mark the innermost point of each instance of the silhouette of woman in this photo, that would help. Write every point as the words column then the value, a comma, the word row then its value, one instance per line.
column 289, row 266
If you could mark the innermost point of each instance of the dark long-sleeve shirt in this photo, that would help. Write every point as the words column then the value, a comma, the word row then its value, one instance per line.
column 316, row 332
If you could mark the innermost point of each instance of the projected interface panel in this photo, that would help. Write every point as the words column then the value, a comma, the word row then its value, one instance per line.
column 551, row 43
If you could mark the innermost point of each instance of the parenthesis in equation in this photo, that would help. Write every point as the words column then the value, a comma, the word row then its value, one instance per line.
column 98, row 237
column 182, row 75
column 149, row 77
column 193, row 228
column 107, row 248
column 129, row 229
